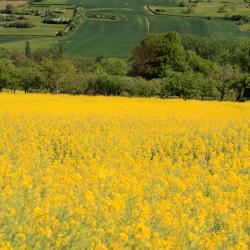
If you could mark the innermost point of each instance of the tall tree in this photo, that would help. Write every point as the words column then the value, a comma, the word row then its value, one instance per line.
column 27, row 49
column 9, row 9
column 59, row 74
column 158, row 53
column 8, row 74
column 30, row 76
column 224, row 77
column 241, row 86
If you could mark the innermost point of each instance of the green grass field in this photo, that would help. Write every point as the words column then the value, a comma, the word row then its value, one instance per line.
column 109, row 39
column 117, row 38
column 214, row 8
column 127, row 4
column 18, row 42
column 97, row 38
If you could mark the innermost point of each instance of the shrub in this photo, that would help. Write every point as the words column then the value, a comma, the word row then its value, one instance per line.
column 182, row 4
column 18, row 25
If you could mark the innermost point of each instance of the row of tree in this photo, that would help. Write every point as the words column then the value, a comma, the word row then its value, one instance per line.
column 161, row 65
column 220, row 65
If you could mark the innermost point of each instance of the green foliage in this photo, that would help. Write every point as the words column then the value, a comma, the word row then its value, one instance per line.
column 59, row 74
column 137, row 86
column 8, row 74
column 241, row 86
column 234, row 52
column 9, row 9
column 158, row 53
column 225, row 76
column 187, row 85
column 161, row 65
column 115, row 67
column 28, row 50
column 4, row 53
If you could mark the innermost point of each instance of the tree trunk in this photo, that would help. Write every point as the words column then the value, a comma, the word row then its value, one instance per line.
column 223, row 91
column 222, row 96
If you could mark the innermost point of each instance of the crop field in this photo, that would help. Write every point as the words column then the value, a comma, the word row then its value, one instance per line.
column 40, row 34
column 3, row 3
column 123, row 173
column 39, row 28
column 18, row 43
column 215, row 8
column 96, row 37
column 107, row 38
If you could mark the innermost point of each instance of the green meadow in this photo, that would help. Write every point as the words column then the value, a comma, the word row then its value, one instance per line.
column 116, row 38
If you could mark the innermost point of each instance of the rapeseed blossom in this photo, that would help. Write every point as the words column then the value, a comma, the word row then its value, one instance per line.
column 120, row 173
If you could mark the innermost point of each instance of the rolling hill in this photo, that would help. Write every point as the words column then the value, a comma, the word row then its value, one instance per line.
column 116, row 37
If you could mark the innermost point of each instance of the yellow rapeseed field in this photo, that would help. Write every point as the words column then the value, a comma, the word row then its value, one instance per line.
column 119, row 173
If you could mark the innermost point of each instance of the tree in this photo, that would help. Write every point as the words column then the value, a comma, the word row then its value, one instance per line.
column 199, row 64
column 186, row 85
column 4, row 53
column 156, row 54
column 235, row 52
column 59, row 74
column 60, row 50
column 9, row 9
column 8, row 74
column 207, row 88
column 27, row 49
column 31, row 77
column 241, row 86
column 224, row 77
column 40, row 54
column 114, row 67
column 57, row 51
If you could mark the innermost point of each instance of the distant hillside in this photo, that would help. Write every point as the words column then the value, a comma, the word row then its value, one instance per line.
column 112, row 28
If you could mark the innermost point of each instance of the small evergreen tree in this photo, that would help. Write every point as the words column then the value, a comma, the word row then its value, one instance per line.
column 27, row 50
column 60, row 50
column 9, row 9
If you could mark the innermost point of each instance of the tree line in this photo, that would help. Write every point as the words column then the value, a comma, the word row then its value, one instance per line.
column 165, row 65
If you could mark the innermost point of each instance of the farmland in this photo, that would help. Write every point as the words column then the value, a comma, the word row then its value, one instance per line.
column 98, row 37
column 33, row 16
column 120, row 173
column 92, row 39
column 4, row 3
column 214, row 8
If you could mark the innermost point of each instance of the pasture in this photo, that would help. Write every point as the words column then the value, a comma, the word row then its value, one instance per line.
column 123, row 173
column 96, row 37
column 215, row 8
column 17, row 3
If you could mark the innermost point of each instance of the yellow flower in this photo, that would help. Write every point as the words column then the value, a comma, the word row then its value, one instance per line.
column 5, row 245
column 82, row 171
column 123, row 237
column 142, row 231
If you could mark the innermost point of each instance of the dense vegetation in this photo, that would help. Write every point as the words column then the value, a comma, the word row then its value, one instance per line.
column 164, row 65
column 109, row 173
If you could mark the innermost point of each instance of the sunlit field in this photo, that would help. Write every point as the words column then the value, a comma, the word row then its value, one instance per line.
column 119, row 173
